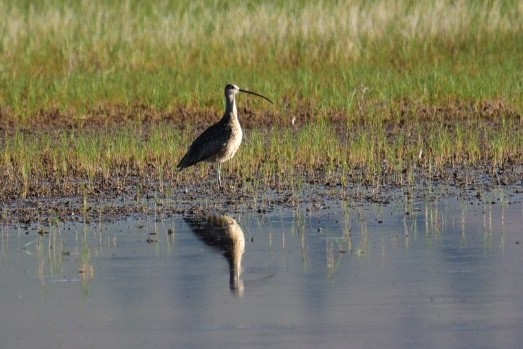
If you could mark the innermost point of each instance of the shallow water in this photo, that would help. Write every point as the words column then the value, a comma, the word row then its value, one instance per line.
column 443, row 274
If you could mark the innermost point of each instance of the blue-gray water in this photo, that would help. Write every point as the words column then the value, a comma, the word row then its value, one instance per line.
column 446, row 275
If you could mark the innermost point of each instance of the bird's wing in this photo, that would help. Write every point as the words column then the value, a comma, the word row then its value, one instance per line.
column 210, row 142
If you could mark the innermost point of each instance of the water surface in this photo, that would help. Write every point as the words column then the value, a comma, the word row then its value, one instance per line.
column 442, row 274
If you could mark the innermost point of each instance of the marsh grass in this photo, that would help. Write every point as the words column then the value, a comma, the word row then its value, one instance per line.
column 75, row 56
column 283, row 159
column 365, row 91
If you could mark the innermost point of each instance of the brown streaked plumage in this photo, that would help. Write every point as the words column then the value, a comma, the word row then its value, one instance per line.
column 219, row 142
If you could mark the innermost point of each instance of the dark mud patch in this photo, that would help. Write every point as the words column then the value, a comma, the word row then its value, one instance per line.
column 285, row 113
column 104, row 200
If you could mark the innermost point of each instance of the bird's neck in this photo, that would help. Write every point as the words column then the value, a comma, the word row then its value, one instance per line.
column 231, row 113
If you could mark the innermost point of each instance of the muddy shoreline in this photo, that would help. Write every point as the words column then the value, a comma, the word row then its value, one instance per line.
column 145, row 197
column 47, row 198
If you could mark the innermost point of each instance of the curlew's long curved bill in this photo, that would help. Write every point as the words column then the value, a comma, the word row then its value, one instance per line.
column 256, row 94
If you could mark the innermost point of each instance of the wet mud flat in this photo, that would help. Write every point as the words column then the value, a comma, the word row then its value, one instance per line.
column 155, row 188
column 143, row 196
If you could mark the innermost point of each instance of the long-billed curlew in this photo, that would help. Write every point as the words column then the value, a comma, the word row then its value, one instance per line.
column 219, row 142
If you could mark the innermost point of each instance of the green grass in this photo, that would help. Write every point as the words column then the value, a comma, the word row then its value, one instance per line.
column 282, row 158
column 372, row 84
column 78, row 55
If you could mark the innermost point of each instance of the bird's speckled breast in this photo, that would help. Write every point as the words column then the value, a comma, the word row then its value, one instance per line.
column 232, row 145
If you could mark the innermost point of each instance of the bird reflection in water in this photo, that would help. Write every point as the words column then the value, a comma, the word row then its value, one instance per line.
column 225, row 235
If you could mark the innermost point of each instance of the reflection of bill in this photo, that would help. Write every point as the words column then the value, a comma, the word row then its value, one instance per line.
column 225, row 235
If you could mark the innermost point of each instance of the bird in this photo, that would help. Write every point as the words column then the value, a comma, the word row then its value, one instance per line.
column 220, row 141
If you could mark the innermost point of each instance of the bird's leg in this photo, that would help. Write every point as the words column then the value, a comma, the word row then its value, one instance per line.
column 218, row 167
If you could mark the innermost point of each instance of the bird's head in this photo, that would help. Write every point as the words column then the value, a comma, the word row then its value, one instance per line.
column 231, row 90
